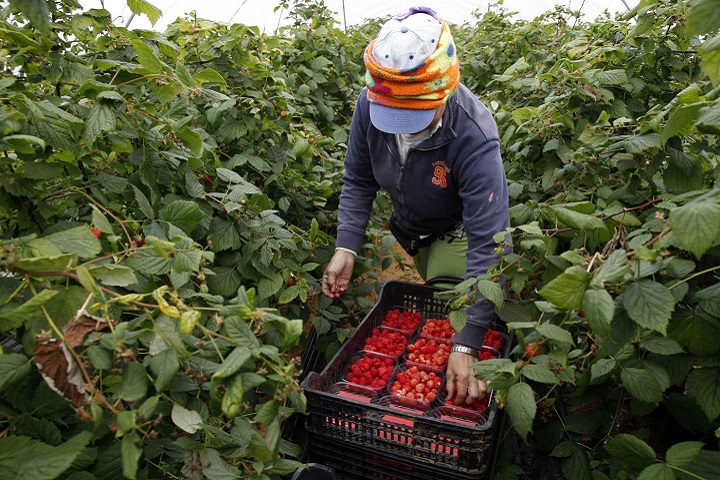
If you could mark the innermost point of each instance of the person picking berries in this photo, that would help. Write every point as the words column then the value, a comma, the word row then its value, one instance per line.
column 424, row 137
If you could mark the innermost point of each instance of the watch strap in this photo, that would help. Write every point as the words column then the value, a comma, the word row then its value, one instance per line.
column 464, row 349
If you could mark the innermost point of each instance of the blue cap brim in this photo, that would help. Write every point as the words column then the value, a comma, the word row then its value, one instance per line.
column 400, row 120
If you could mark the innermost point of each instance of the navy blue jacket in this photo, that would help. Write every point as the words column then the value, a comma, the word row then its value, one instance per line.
column 455, row 176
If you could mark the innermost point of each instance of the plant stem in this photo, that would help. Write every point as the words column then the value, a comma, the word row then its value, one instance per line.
column 697, row 274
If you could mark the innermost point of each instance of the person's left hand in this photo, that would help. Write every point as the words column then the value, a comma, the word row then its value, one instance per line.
column 461, row 381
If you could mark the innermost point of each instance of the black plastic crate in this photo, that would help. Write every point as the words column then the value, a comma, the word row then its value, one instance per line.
column 369, row 464
column 417, row 437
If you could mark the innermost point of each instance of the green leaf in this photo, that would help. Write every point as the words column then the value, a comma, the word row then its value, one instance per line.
column 126, row 422
column 209, row 75
column 186, row 420
column 711, row 65
column 555, row 333
column 131, row 453
column 567, row 290
column 709, row 299
column 613, row 270
column 192, row 140
column 649, row 304
column 679, row 180
column 134, row 382
column 79, row 241
column 184, row 214
column 602, row 367
column 293, row 331
column 703, row 17
column 13, row 367
column 238, row 330
column 631, row 450
column 142, row 7
column 113, row 275
column 642, row 384
column 88, row 282
column 658, row 471
column 643, row 143
column 224, row 235
column 599, row 309
column 233, row 363
column 521, row 408
column 580, row 221
column 215, row 468
column 696, row 225
column 36, row 11
column 710, row 116
column 661, row 345
column 684, row 453
column 187, row 261
column 290, row 294
column 143, row 203
column 696, row 331
column 272, row 436
column 165, row 365
column 704, row 386
column 492, row 291
column 539, row 374
column 101, row 119
column 22, row 458
column 681, row 121
column 15, row 317
column 146, row 56
column 458, row 319
column 100, row 221
column 613, row 78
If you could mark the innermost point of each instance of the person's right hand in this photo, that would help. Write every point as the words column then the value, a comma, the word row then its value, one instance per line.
column 337, row 274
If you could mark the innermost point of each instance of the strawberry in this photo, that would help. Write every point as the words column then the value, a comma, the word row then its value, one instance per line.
column 428, row 351
column 371, row 371
column 96, row 232
column 402, row 320
column 389, row 342
column 416, row 384
column 438, row 328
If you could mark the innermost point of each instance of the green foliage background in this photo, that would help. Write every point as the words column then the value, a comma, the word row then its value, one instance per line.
column 179, row 190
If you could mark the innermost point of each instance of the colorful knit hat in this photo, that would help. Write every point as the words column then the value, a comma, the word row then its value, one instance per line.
column 412, row 69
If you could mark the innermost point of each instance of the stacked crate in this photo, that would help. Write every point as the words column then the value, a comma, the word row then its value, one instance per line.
column 367, row 421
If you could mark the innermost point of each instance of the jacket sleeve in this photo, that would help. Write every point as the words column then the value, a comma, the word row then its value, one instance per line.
column 359, row 184
column 483, row 188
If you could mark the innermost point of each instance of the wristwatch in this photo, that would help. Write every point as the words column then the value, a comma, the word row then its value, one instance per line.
column 464, row 349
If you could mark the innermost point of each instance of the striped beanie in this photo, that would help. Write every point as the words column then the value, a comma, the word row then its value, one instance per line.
column 412, row 69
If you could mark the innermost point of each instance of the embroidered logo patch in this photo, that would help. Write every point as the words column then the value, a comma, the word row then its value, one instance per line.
column 440, row 171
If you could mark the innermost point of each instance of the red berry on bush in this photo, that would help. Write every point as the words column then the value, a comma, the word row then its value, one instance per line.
column 291, row 281
column 532, row 349
column 96, row 232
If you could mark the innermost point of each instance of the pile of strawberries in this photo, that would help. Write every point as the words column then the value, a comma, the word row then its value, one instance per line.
column 480, row 405
column 371, row 371
column 416, row 384
column 389, row 342
column 402, row 320
column 428, row 351
column 438, row 328
column 493, row 339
